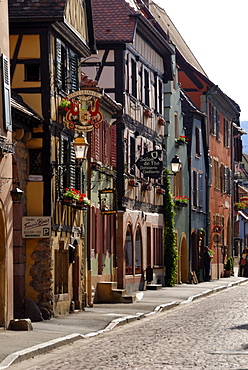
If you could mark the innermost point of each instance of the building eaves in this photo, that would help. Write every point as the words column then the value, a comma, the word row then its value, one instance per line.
column 162, row 18
column 39, row 10
column 24, row 110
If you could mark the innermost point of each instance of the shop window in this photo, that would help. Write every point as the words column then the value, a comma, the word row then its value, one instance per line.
column 129, row 252
column 61, row 270
column 158, row 246
column 138, row 252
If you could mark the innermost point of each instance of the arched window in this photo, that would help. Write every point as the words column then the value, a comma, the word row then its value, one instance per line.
column 138, row 252
column 129, row 252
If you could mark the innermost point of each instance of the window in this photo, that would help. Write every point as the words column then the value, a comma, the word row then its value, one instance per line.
column 216, row 175
column 176, row 125
column 217, row 124
column 134, row 78
column 158, row 259
column 147, row 88
column 160, row 97
column 197, row 141
column 129, row 252
column 66, row 68
column 32, row 72
column 67, row 174
column 138, row 252
column 226, row 133
column 61, row 269
column 194, row 189
column 200, row 190
column 178, row 183
column 35, row 162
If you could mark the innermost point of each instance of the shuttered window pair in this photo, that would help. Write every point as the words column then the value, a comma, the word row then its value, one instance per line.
column 66, row 73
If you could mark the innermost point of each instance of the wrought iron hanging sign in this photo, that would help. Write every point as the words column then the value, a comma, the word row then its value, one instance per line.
column 108, row 201
column 150, row 164
column 81, row 110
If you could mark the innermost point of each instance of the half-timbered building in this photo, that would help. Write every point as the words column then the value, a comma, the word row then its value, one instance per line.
column 135, row 61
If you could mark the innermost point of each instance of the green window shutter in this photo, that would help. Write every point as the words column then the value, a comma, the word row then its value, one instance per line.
column 6, row 93
column 58, row 64
column 73, row 72
column 71, row 166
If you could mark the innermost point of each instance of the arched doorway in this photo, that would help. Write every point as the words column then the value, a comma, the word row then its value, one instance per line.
column 184, row 261
column 2, row 269
column 129, row 252
column 138, row 252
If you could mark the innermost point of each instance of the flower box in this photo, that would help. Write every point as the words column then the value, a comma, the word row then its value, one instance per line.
column 133, row 182
column 178, row 203
column 181, row 140
column 160, row 191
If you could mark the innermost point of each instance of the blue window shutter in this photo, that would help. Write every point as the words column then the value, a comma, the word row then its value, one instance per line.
column 6, row 93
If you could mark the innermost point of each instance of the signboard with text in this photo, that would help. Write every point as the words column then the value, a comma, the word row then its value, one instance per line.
column 36, row 227
column 150, row 164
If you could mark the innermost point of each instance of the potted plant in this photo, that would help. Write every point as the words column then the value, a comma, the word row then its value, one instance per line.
column 228, row 267
column 64, row 106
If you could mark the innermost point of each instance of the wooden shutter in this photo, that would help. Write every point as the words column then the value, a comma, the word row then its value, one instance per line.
column 73, row 72
column 99, row 235
column 6, row 93
column 58, row 64
column 200, row 197
column 71, row 173
column 113, row 145
column 210, row 170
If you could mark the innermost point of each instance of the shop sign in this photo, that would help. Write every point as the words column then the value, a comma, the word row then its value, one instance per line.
column 108, row 201
column 36, row 227
column 83, row 114
column 150, row 164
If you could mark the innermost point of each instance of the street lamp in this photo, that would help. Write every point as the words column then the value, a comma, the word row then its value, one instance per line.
column 81, row 147
column 16, row 195
column 176, row 164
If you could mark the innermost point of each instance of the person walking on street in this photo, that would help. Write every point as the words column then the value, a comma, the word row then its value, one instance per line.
column 207, row 263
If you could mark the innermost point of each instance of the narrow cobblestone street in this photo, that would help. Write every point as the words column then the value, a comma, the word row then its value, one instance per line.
column 209, row 333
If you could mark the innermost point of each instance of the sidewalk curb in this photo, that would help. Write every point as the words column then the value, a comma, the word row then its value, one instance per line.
column 45, row 347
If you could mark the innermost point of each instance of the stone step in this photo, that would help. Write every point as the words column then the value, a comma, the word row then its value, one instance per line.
column 154, row 286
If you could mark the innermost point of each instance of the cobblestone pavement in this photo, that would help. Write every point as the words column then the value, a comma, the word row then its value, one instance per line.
column 210, row 333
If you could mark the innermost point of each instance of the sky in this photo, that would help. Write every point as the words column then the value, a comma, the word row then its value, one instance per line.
column 216, row 32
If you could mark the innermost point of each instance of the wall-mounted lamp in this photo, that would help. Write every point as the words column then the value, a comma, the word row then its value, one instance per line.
column 81, row 147
column 16, row 195
column 176, row 164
